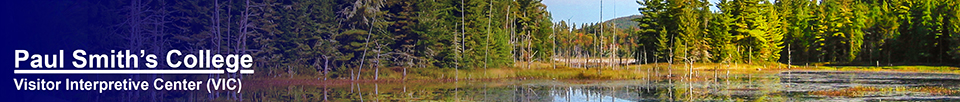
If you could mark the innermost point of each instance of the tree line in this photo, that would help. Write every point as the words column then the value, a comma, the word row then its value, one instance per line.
column 332, row 38
column 787, row 31
column 347, row 38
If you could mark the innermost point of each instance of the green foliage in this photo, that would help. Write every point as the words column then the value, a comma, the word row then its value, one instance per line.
column 890, row 31
column 335, row 35
column 687, row 30
column 720, row 35
column 340, row 37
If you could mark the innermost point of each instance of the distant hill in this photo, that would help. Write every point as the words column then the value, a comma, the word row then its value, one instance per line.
column 624, row 22
column 621, row 22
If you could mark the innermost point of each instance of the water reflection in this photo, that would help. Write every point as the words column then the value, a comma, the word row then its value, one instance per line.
column 787, row 86
column 578, row 95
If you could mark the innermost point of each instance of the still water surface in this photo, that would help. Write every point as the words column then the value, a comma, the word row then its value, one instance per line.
column 782, row 86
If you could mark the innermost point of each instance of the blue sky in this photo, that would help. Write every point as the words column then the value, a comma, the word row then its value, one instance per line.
column 588, row 11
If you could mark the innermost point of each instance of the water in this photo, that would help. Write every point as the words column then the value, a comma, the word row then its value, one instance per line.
column 783, row 86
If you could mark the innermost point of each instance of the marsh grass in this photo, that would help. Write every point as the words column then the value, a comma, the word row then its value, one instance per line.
column 863, row 91
column 846, row 92
column 940, row 69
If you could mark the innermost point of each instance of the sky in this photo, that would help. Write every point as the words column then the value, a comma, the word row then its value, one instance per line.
column 588, row 11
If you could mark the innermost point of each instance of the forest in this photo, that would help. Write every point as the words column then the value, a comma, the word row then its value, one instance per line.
column 841, row 31
column 511, row 50
column 335, row 38
column 340, row 38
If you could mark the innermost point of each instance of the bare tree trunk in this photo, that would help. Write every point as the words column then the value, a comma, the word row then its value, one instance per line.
column 529, row 48
column 462, row 34
column 367, row 43
column 217, row 39
column 486, row 46
column 599, row 37
column 326, row 66
column 409, row 64
column 378, row 51
column 512, row 35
